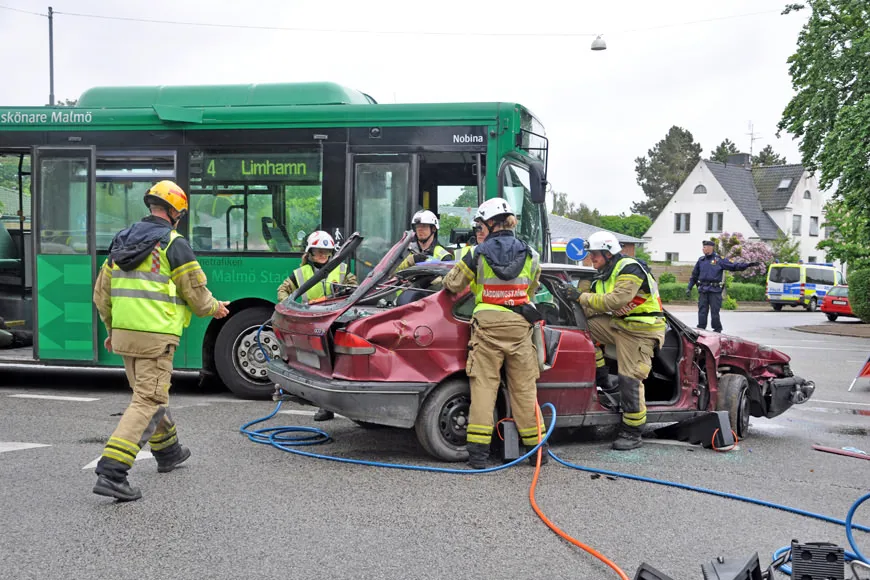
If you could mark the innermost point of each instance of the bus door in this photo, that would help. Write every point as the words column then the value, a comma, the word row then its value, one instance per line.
column 383, row 194
column 64, row 183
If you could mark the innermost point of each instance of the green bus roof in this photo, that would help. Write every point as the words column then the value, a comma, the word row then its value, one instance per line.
column 270, row 94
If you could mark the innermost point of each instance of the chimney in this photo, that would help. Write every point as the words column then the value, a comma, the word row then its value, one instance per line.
column 744, row 159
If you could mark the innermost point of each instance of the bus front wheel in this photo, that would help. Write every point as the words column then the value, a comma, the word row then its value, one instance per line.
column 239, row 357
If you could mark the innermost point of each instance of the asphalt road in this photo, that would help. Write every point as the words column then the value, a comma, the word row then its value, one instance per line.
column 242, row 510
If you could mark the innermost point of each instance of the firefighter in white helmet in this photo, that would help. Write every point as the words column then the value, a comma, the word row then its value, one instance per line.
column 623, row 309
column 426, row 245
column 318, row 250
column 504, row 273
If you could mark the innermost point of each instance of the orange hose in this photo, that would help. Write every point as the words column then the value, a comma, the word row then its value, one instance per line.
column 553, row 526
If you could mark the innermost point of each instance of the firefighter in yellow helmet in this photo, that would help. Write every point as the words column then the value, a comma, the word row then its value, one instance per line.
column 504, row 273
column 623, row 309
column 145, row 292
column 319, row 249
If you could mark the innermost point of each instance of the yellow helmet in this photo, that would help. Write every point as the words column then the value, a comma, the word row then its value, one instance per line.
column 167, row 193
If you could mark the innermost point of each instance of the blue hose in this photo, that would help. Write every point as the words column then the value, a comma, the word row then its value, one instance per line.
column 276, row 437
column 279, row 438
column 263, row 350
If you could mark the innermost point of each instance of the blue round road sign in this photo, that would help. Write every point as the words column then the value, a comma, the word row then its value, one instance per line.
column 575, row 249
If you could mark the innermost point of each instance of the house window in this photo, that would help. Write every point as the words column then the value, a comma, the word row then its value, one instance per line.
column 795, row 225
column 714, row 222
column 682, row 222
column 672, row 257
column 700, row 189
column 784, row 184
column 814, row 226
column 808, row 195
column 811, row 259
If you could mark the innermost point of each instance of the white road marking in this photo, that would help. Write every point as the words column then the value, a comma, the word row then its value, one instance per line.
column 142, row 455
column 56, row 398
column 845, row 403
column 12, row 446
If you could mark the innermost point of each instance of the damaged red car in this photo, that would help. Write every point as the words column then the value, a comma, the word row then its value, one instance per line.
column 392, row 351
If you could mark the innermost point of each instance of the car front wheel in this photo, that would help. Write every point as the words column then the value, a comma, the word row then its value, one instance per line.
column 733, row 396
column 443, row 420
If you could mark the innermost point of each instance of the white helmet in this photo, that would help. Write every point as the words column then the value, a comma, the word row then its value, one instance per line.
column 321, row 240
column 603, row 241
column 493, row 207
column 425, row 217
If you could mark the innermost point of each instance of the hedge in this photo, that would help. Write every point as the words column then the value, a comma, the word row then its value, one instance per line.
column 667, row 278
column 859, row 293
column 673, row 292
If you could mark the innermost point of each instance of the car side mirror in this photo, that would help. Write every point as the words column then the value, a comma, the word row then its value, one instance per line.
column 537, row 183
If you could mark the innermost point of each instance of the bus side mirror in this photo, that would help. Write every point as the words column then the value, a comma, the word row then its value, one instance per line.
column 538, row 183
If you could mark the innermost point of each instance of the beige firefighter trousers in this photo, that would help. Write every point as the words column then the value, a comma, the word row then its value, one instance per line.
column 502, row 338
column 147, row 418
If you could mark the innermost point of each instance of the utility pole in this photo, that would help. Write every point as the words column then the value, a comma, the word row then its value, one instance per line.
column 50, row 56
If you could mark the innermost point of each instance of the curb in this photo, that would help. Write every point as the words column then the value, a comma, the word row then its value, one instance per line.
column 821, row 329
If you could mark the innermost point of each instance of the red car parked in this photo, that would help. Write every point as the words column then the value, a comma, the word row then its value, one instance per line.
column 379, row 358
column 836, row 303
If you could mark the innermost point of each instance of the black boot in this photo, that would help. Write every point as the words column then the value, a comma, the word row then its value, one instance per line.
column 608, row 394
column 169, row 459
column 112, row 481
column 478, row 453
column 545, row 456
column 628, row 438
column 323, row 415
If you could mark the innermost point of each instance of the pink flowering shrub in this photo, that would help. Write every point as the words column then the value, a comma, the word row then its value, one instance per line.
column 737, row 249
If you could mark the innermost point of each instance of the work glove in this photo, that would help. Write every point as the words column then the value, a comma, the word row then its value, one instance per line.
column 688, row 292
column 418, row 258
column 752, row 264
column 572, row 294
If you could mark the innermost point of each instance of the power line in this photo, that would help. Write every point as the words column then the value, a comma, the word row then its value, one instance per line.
column 387, row 32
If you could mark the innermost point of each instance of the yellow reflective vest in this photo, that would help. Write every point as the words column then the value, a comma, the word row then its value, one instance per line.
column 493, row 293
column 643, row 308
column 322, row 288
column 145, row 298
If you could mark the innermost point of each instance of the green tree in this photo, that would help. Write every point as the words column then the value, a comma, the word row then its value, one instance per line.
column 664, row 170
column 721, row 153
column 768, row 156
column 581, row 213
column 632, row 225
column 468, row 197
column 830, row 113
column 785, row 249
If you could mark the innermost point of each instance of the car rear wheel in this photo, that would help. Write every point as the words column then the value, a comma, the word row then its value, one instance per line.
column 443, row 420
column 777, row 307
column 733, row 396
column 240, row 363
column 831, row 317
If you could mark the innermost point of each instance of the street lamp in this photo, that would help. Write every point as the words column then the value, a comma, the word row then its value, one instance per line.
column 599, row 44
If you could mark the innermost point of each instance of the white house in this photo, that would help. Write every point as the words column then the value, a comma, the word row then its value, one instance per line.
column 759, row 203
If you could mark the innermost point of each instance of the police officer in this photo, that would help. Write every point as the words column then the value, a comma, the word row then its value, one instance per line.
column 426, row 245
column 318, row 250
column 707, row 275
column 504, row 273
column 145, row 292
column 623, row 309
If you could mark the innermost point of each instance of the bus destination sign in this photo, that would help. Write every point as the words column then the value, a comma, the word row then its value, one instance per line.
column 261, row 167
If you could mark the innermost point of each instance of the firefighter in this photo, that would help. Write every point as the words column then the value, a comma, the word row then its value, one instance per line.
column 145, row 292
column 426, row 245
column 623, row 309
column 478, row 236
column 319, row 249
column 504, row 273
column 707, row 274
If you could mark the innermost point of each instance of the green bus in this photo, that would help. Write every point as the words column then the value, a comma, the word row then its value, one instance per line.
column 263, row 165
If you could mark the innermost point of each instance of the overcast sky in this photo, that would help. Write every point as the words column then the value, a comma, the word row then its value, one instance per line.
column 600, row 109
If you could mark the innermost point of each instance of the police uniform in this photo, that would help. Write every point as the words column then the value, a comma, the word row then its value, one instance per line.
column 624, row 309
column 707, row 275
column 504, row 273
column 145, row 292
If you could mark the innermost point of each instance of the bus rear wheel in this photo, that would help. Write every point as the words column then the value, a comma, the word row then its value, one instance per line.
column 239, row 359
